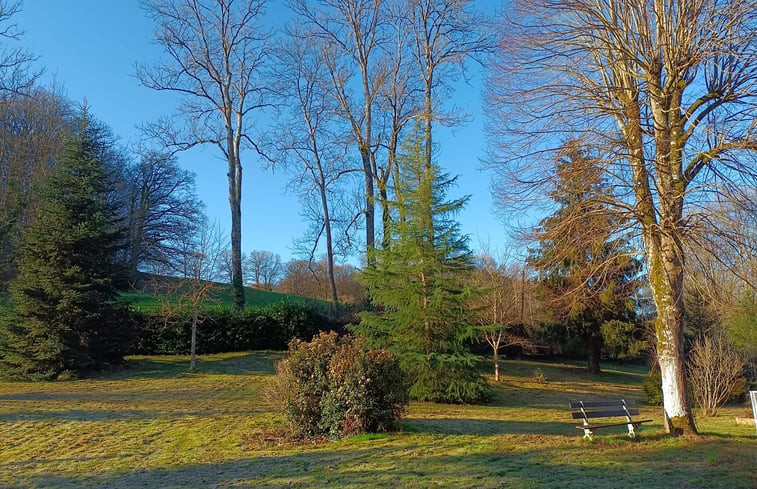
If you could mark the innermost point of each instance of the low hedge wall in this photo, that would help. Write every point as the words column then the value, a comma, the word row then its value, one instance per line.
column 223, row 329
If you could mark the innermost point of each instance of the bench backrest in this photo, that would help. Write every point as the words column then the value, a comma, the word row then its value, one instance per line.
column 603, row 409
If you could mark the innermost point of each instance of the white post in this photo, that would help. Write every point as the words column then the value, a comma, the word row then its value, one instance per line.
column 753, row 397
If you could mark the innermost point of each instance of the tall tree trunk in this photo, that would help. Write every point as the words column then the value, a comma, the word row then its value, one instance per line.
column 370, row 210
column 666, row 279
column 329, row 247
column 235, row 202
column 193, row 341
column 496, row 364
column 593, row 350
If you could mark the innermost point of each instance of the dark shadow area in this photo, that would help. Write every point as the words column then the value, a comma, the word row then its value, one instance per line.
column 461, row 426
column 562, row 467
column 117, row 415
column 252, row 363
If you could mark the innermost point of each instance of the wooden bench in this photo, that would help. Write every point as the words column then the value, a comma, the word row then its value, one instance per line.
column 585, row 411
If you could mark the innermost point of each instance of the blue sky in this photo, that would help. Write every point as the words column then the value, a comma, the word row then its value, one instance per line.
column 89, row 48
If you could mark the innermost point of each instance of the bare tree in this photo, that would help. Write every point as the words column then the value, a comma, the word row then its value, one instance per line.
column 16, row 74
column 312, row 144
column 264, row 269
column 445, row 34
column 33, row 130
column 503, row 310
column 714, row 367
column 189, row 280
column 163, row 208
column 216, row 52
column 665, row 91
column 351, row 33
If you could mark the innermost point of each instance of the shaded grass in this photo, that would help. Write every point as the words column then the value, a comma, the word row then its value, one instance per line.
column 154, row 424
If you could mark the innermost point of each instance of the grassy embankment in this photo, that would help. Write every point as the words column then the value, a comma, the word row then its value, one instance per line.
column 155, row 425
column 150, row 302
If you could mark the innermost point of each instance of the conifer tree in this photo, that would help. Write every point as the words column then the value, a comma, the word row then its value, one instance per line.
column 418, row 286
column 63, row 315
column 588, row 274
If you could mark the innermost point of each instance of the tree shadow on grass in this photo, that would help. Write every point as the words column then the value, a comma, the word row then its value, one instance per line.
column 346, row 466
column 158, row 367
column 81, row 415
column 462, row 426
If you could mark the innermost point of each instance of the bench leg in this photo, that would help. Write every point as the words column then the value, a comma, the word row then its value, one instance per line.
column 631, row 430
column 587, row 434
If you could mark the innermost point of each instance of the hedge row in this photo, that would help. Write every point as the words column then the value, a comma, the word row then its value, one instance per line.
column 223, row 329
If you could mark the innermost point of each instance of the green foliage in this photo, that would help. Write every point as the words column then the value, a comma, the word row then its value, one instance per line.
column 588, row 273
column 619, row 340
column 741, row 325
column 225, row 329
column 335, row 387
column 64, row 315
column 653, row 387
column 417, row 284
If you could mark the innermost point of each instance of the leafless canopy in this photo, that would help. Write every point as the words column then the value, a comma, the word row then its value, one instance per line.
column 664, row 92
column 215, row 52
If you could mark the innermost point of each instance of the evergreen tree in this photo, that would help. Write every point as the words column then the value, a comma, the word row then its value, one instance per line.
column 63, row 315
column 588, row 274
column 418, row 286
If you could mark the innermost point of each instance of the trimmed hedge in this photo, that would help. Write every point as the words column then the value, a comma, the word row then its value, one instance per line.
column 223, row 329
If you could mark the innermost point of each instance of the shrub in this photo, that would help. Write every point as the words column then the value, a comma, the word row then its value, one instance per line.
column 715, row 370
column 335, row 386
column 653, row 387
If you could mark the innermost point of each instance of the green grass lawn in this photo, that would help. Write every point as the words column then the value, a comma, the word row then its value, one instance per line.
column 154, row 425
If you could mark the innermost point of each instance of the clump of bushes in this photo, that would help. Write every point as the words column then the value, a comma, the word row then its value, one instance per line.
column 335, row 386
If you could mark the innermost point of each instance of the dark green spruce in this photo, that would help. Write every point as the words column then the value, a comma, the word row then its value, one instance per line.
column 63, row 315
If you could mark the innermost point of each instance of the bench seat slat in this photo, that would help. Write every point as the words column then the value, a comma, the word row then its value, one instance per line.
column 604, row 414
column 593, row 404
column 595, row 426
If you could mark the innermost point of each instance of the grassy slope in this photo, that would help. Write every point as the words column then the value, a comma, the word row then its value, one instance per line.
column 150, row 302
column 154, row 425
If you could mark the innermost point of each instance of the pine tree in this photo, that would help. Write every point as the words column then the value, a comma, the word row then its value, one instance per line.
column 64, row 316
column 588, row 273
column 418, row 286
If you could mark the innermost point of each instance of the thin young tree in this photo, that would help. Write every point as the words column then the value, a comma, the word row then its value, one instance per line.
column 311, row 142
column 665, row 91
column 351, row 33
column 500, row 308
column 216, row 51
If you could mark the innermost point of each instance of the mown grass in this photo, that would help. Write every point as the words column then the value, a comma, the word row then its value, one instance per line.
column 155, row 424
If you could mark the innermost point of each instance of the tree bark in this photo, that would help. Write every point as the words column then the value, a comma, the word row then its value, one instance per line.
column 593, row 350
column 666, row 280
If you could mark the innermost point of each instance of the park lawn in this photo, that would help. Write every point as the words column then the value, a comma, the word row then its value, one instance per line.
column 155, row 425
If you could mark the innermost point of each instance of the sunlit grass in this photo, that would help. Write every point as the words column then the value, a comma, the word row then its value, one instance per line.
column 150, row 302
column 155, row 424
